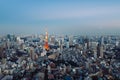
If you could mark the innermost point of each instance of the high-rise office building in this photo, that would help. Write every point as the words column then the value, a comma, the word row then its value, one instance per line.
column 61, row 44
column 100, row 48
column 66, row 41
column 52, row 39
column 101, row 51
column 71, row 40
column 86, row 42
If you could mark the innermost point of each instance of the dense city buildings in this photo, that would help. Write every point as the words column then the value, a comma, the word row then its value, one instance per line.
column 56, row 57
column 59, row 39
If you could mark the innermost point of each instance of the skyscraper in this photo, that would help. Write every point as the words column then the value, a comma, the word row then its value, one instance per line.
column 66, row 41
column 100, row 49
column 61, row 44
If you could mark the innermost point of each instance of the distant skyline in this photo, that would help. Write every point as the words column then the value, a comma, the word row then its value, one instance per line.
column 80, row 17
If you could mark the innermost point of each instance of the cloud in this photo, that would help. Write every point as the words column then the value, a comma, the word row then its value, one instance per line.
column 71, row 13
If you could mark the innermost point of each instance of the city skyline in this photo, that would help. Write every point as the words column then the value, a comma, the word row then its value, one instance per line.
column 59, row 17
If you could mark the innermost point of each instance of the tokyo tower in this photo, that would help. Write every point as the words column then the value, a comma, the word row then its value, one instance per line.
column 46, row 46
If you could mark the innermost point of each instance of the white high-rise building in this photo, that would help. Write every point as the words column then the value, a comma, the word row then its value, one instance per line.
column 102, row 47
column 61, row 45
column 101, row 51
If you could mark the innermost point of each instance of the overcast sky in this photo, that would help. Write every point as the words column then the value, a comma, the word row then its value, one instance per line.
column 60, row 16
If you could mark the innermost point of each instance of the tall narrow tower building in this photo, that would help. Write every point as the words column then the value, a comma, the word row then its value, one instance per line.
column 46, row 46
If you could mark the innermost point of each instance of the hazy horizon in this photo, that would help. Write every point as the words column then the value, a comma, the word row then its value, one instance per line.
column 86, row 17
